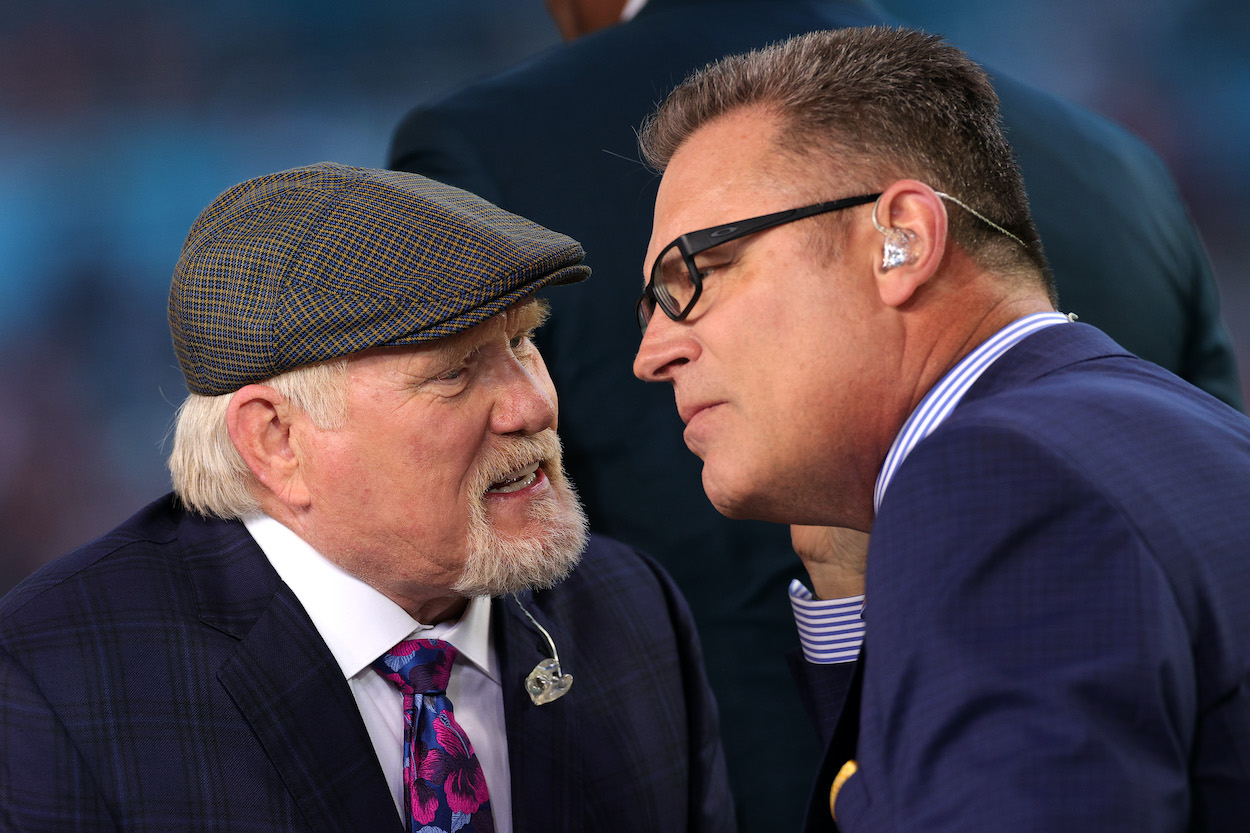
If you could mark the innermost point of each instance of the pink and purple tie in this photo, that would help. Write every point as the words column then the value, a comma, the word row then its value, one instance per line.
column 446, row 788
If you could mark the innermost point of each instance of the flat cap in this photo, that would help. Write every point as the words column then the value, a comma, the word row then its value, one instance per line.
column 317, row 262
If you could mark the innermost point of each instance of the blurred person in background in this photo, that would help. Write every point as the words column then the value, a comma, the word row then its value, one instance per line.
column 554, row 139
column 345, row 617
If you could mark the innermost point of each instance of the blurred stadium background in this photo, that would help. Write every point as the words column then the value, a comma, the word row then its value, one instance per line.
column 119, row 121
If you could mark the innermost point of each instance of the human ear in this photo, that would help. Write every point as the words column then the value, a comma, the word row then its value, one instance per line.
column 259, row 420
column 912, row 221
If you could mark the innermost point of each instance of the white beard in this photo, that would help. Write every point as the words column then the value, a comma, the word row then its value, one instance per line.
column 499, row 565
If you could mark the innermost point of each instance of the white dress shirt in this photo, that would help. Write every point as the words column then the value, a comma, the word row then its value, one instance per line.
column 359, row 624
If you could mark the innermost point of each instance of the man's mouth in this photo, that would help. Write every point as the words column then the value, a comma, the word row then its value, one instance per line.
column 689, row 412
column 517, row 480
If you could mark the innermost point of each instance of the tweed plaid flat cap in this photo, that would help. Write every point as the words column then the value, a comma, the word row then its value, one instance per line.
column 318, row 262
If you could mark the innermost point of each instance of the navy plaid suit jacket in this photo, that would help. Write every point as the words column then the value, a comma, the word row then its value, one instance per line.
column 164, row 678
column 1058, row 607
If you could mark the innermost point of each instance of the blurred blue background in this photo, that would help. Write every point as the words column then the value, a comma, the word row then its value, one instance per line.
column 119, row 121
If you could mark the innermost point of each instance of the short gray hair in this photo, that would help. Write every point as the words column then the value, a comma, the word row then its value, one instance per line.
column 209, row 475
column 882, row 104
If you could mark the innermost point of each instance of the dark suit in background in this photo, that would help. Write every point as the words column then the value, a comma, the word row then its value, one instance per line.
column 1059, row 576
column 554, row 140
column 165, row 677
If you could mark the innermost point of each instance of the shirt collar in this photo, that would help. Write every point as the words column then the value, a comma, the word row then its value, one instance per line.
column 942, row 398
column 356, row 621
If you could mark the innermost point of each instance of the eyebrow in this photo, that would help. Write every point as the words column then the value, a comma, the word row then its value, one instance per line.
column 530, row 315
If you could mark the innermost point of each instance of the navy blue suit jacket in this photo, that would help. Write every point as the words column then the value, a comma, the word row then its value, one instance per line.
column 1058, row 606
column 165, row 678
column 553, row 140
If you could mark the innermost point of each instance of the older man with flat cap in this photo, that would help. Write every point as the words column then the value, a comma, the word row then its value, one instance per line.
column 358, row 610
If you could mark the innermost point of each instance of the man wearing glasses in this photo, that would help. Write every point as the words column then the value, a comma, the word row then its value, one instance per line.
column 1056, row 585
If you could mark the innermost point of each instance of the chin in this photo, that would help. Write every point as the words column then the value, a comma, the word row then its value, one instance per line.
column 751, row 511
column 501, row 563
column 736, row 501
column 730, row 502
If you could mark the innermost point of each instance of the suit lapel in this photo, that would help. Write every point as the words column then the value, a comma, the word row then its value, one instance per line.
column 543, row 749
column 286, row 684
column 841, row 749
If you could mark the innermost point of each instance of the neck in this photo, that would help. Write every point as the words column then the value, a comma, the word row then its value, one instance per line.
column 425, row 599
column 433, row 611
column 958, row 314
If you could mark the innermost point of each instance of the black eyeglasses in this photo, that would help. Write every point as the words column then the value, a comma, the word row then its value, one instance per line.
column 676, row 281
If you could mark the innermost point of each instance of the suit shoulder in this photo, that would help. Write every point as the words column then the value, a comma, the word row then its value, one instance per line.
column 544, row 83
column 616, row 580
column 113, row 553
column 1117, row 392
column 1033, row 115
column 1115, row 429
column 608, row 561
column 629, row 68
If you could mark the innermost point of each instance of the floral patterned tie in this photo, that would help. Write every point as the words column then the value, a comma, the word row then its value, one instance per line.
column 446, row 787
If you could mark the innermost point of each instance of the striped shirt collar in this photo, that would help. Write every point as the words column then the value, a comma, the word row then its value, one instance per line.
column 945, row 395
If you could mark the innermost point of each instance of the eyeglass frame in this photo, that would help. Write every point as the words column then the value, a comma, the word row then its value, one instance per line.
column 696, row 242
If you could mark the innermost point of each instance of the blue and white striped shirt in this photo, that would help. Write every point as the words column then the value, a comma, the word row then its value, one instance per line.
column 832, row 630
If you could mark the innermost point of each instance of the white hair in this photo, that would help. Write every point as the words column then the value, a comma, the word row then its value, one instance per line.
column 209, row 475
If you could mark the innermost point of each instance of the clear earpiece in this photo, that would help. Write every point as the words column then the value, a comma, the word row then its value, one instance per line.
column 897, row 249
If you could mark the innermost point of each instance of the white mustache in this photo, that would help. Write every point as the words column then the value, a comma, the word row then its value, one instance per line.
column 505, row 460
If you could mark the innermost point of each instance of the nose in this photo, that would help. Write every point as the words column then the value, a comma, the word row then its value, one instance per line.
column 526, row 402
column 666, row 346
